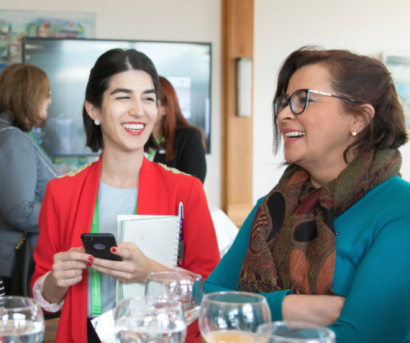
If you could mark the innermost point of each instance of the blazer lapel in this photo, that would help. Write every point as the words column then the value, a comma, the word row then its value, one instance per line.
column 148, row 190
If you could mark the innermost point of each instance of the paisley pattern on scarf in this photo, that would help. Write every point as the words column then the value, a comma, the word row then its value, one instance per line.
column 292, row 243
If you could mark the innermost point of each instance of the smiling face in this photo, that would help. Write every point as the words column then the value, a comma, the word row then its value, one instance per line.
column 316, row 139
column 128, row 112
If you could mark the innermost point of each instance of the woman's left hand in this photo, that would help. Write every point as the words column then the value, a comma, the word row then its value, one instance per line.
column 134, row 267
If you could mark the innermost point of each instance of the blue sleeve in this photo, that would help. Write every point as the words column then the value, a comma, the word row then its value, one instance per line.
column 377, row 307
column 225, row 276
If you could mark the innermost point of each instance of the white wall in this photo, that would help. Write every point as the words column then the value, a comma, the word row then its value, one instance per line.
column 365, row 26
column 177, row 20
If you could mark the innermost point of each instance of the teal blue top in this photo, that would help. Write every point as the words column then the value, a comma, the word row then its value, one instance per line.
column 372, row 267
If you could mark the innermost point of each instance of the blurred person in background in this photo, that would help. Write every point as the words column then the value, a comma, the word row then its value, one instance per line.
column 181, row 145
column 25, row 169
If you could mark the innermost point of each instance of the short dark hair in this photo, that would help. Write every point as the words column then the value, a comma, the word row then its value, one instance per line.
column 358, row 77
column 110, row 63
column 22, row 89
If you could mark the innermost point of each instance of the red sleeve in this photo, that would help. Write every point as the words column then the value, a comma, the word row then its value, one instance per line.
column 198, row 232
column 47, row 241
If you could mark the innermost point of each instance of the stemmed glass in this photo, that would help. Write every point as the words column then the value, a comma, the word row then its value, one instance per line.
column 293, row 332
column 183, row 286
column 21, row 320
column 149, row 320
column 232, row 317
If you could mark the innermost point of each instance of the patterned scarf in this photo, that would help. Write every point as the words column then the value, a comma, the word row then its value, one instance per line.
column 292, row 244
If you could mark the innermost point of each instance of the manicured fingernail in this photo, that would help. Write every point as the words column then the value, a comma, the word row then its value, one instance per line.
column 113, row 250
column 89, row 264
column 90, row 258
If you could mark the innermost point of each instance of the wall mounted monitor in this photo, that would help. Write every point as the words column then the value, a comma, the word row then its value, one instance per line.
column 67, row 63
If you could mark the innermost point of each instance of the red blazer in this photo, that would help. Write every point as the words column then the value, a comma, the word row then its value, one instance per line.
column 67, row 211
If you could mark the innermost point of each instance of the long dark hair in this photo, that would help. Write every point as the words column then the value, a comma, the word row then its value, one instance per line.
column 173, row 119
column 358, row 77
column 110, row 63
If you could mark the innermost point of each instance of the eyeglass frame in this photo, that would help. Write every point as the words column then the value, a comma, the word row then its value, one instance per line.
column 308, row 91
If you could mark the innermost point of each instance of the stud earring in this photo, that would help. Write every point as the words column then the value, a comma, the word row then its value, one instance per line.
column 97, row 122
column 354, row 133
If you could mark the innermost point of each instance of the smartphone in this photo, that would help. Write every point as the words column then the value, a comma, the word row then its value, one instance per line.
column 99, row 245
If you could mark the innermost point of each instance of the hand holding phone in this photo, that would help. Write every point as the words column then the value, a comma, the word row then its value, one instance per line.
column 99, row 245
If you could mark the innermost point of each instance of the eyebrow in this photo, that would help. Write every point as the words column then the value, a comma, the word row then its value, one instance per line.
column 120, row 90
column 148, row 91
column 129, row 91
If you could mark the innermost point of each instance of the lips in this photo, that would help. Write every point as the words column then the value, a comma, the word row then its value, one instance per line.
column 294, row 134
column 134, row 128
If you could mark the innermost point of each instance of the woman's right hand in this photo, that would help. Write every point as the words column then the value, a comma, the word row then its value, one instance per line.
column 66, row 271
column 319, row 309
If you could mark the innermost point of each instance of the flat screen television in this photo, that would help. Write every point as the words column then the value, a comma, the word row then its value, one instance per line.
column 67, row 63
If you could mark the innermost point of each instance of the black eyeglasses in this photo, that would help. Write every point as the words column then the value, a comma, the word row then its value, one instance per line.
column 299, row 101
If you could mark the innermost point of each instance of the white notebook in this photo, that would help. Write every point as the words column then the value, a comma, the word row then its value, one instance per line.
column 158, row 238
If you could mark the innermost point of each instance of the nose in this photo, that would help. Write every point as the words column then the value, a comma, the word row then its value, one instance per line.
column 137, row 108
column 286, row 114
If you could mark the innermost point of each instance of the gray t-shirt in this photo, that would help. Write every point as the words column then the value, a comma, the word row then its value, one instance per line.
column 112, row 202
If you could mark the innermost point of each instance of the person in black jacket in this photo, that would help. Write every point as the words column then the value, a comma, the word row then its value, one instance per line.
column 181, row 145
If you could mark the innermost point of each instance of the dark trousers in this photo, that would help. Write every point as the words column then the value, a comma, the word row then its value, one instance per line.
column 7, row 284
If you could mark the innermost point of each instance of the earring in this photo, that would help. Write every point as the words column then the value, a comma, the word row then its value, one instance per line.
column 97, row 122
column 354, row 133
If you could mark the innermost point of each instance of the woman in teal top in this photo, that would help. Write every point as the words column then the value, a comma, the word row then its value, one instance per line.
column 329, row 243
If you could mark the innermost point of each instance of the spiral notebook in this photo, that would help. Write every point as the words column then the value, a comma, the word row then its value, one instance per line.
column 157, row 236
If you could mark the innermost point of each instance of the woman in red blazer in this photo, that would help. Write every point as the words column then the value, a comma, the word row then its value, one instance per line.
column 119, row 114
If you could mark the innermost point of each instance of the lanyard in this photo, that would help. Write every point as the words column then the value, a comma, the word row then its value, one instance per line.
column 152, row 152
column 95, row 276
column 38, row 144
column 96, row 308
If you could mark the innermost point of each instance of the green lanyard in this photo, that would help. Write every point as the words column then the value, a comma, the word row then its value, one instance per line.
column 38, row 144
column 152, row 152
column 95, row 275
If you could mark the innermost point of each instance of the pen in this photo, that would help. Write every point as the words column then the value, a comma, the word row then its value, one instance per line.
column 181, row 242
column 181, row 214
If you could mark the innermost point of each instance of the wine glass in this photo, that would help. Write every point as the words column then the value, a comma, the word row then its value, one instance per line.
column 293, row 332
column 149, row 320
column 21, row 320
column 232, row 317
column 183, row 286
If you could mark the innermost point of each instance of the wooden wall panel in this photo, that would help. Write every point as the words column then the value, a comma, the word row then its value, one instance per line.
column 237, row 42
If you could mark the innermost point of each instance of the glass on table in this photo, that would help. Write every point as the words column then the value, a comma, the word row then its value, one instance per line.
column 293, row 332
column 183, row 286
column 21, row 320
column 149, row 320
column 232, row 317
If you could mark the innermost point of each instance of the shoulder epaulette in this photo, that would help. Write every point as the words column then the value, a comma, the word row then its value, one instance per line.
column 172, row 170
column 76, row 171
